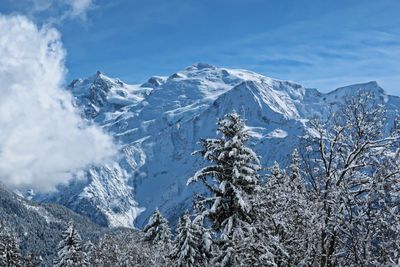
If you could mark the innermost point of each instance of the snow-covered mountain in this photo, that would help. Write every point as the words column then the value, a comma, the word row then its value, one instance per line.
column 159, row 122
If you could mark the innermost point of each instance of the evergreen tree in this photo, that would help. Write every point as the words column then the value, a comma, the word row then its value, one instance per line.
column 283, row 217
column 185, row 245
column 10, row 255
column 158, row 233
column 189, row 247
column 232, row 178
column 206, row 244
column 91, row 251
column 157, row 229
column 126, row 247
column 70, row 252
column 107, row 253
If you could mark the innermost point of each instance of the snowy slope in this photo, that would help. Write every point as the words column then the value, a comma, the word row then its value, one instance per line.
column 158, row 124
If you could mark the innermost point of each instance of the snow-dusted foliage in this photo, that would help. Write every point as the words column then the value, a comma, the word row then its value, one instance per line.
column 283, row 216
column 9, row 248
column 126, row 247
column 190, row 247
column 157, row 229
column 70, row 252
column 352, row 170
column 32, row 260
column 158, row 234
column 336, row 205
column 232, row 179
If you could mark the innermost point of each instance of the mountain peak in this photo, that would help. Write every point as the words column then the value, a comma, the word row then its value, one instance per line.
column 200, row 66
column 369, row 84
column 100, row 76
column 371, row 87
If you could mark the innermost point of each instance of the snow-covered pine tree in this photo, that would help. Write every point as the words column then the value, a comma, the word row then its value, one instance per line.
column 206, row 242
column 91, row 251
column 106, row 252
column 283, row 217
column 301, row 214
column 231, row 179
column 70, row 252
column 157, row 229
column 190, row 247
column 10, row 255
column 263, row 247
column 125, row 248
column 158, row 234
column 185, row 245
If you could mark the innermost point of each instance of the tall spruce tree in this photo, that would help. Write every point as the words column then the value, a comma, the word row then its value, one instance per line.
column 70, row 252
column 231, row 179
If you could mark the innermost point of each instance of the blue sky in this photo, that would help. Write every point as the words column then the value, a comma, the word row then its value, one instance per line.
column 321, row 44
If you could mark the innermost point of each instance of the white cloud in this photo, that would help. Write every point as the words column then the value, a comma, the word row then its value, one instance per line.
column 42, row 138
column 57, row 11
column 79, row 7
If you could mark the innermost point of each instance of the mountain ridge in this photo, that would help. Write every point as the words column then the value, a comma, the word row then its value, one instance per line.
column 158, row 123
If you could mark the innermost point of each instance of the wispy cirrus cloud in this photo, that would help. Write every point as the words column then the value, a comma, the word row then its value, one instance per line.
column 353, row 43
column 79, row 8
column 52, row 11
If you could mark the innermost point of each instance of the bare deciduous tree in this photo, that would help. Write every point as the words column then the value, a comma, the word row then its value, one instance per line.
column 352, row 169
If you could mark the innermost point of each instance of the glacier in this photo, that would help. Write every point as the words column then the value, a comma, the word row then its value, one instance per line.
column 157, row 125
